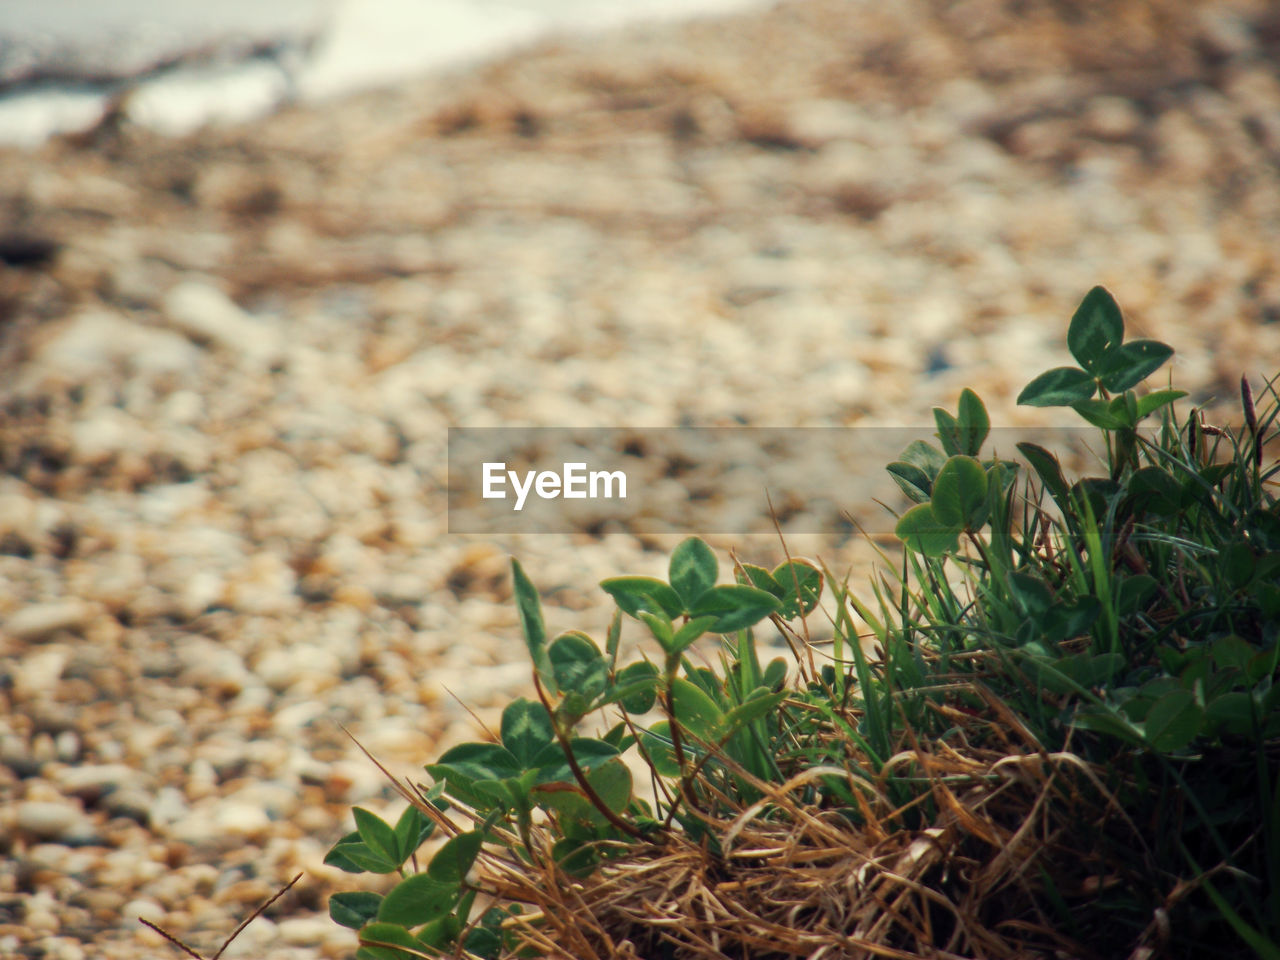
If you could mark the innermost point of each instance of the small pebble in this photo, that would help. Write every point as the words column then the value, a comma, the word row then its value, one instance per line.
column 204, row 312
column 143, row 909
column 130, row 803
column 41, row 620
column 48, row 820
column 67, row 744
column 42, row 921
column 304, row 931
column 62, row 948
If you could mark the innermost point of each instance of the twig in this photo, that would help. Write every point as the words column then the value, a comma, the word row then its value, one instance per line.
column 172, row 939
column 234, row 933
column 257, row 913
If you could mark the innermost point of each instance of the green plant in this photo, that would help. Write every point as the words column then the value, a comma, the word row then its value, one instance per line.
column 1138, row 624
column 1062, row 731
column 717, row 729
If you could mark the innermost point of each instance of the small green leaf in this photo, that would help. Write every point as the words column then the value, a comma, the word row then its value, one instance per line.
column 1096, row 492
column 920, row 530
column 486, row 938
column 588, row 752
column 1059, row 387
column 354, row 908
column 418, row 899
column 619, row 736
column 578, row 665
column 913, row 481
column 411, row 830
column 775, row 674
column 1156, row 399
column 925, row 456
column 1233, row 651
column 755, row 706
column 611, row 781
column 960, row 492
column 526, row 729
column 661, row 627
column 505, row 794
column 1154, row 490
column 735, row 606
column 801, row 584
column 1133, row 363
column 475, row 761
column 454, row 859
column 690, row 632
column 337, row 857
column 1103, row 720
column 760, row 578
column 1101, row 414
column 637, row 687
column 1000, row 477
column 440, row 933
column 614, row 638
column 529, row 607
column 657, row 743
column 975, row 424
column 1031, row 592
column 709, row 682
column 1233, row 713
column 1173, row 721
column 948, row 432
column 693, row 570
column 1047, row 468
column 1006, row 470
column 362, row 858
column 1097, row 327
column 1065, row 621
column 377, row 835
column 634, row 594
column 696, row 711
column 484, row 943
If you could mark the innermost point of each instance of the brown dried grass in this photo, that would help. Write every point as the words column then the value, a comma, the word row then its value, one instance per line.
column 957, row 872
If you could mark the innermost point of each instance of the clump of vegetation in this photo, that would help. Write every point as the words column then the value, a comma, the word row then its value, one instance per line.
column 1058, row 734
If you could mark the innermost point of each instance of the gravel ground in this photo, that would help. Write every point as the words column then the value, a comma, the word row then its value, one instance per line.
column 230, row 362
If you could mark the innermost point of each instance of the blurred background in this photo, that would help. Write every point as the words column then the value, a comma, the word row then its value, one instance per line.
column 185, row 64
column 255, row 264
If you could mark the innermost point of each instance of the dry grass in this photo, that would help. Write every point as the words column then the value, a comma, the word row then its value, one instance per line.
column 957, row 872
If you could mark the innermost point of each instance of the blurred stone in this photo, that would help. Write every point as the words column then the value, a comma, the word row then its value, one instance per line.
column 41, row 620
column 96, row 779
column 148, row 909
column 98, row 340
column 305, row 931
column 206, row 314
column 49, row 820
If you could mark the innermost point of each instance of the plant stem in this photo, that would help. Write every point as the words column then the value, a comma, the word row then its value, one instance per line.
column 677, row 743
column 578, row 774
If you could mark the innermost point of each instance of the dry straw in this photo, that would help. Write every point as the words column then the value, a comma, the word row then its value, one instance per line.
column 795, row 880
